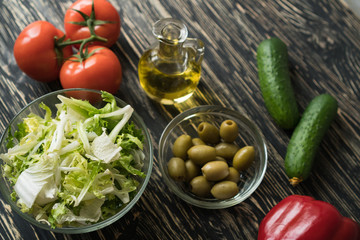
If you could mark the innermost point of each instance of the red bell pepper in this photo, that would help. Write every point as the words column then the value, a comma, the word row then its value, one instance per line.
column 302, row 217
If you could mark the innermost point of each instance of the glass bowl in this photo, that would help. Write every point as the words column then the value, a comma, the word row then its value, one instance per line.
column 94, row 97
column 249, row 134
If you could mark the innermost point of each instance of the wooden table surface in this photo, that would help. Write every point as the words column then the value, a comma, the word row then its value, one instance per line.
column 323, row 39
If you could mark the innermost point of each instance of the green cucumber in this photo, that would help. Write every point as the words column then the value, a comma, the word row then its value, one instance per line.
column 275, row 84
column 307, row 137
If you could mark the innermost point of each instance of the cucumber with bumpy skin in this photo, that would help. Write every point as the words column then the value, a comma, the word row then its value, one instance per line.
column 307, row 137
column 275, row 85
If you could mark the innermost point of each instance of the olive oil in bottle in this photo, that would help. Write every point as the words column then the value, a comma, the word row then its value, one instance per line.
column 170, row 71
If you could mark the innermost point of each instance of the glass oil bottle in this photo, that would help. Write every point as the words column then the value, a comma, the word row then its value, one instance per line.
column 170, row 70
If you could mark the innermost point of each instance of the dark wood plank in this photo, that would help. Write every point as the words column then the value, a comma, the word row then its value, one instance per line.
column 323, row 39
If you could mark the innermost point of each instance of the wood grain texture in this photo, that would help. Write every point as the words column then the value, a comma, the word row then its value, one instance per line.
column 323, row 39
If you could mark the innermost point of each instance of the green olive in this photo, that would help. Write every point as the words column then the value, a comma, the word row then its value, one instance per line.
column 244, row 158
column 229, row 130
column 201, row 154
column 218, row 158
column 233, row 176
column 224, row 190
column 197, row 141
column 177, row 169
column 226, row 150
column 200, row 186
column 181, row 146
column 192, row 170
column 208, row 133
column 215, row 170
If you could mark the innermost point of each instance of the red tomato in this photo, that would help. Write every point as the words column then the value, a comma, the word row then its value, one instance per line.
column 35, row 52
column 104, row 11
column 101, row 70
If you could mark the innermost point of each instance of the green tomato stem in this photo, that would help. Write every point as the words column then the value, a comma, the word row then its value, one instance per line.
column 91, row 22
column 92, row 38
column 80, row 41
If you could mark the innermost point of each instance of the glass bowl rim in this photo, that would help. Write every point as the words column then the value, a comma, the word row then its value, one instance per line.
column 101, row 224
column 216, row 110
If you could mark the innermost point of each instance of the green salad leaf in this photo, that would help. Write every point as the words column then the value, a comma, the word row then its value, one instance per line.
column 78, row 168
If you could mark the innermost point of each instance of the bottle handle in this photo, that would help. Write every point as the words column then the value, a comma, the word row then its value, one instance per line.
column 198, row 46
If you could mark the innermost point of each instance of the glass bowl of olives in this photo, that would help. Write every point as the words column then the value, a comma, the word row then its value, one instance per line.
column 212, row 157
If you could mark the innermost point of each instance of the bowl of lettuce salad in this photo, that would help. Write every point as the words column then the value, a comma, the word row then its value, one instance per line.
column 75, row 160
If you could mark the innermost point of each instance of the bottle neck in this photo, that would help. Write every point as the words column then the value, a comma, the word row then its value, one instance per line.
column 172, row 59
column 170, row 50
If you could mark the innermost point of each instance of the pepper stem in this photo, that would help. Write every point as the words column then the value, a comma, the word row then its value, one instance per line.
column 295, row 181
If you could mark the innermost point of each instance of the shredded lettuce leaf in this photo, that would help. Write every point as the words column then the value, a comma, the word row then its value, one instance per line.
column 78, row 168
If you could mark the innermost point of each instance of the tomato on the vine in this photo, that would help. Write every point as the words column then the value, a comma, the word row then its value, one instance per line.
column 80, row 20
column 36, row 51
column 98, row 69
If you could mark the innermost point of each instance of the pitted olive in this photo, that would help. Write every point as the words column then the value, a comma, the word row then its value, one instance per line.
column 226, row 150
column 244, row 158
column 181, row 146
column 224, row 190
column 208, row 133
column 200, row 186
column 192, row 170
column 233, row 176
column 198, row 141
column 176, row 169
column 201, row 154
column 215, row 170
column 229, row 130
